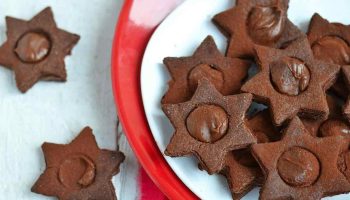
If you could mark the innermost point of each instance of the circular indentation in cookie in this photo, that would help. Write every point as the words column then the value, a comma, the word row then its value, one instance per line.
column 334, row 127
column 207, row 123
column 298, row 167
column 76, row 172
column 33, row 47
column 265, row 24
column 205, row 71
column 289, row 76
column 332, row 49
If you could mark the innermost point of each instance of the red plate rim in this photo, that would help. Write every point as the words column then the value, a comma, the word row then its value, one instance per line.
column 130, row 41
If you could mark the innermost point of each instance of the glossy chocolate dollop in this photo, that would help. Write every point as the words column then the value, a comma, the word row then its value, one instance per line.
column 290, row 76
column 77, row 172
column 334, row 127
column 332, row 49
column 32, row 47
column 207, row 123
column 265, row 24
column 298, row 167
column 208, row 72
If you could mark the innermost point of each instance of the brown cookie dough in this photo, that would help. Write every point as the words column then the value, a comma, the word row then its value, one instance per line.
column 330, row 43
column 333, row 127
column 79, row 170
column 339, row 127
column 226, row 74
column 241, row 169
column 297, row 87
column 301, row 166
column 35, row 49
column 251, row 22
column 262, row 127
column 335, row 112
column 346, row 75
column 209, row 126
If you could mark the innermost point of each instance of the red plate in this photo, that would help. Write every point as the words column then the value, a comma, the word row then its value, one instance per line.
column 137, row 21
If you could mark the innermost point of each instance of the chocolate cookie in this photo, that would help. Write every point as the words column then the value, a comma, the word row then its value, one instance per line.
column 251, row 22
column 226, row 74
column 292, row 82
column 241, row 169
column 261, row 124
column 336, row 124
column 330, row 43
column 79, row 170
column 334, row 127
column 35, row 49
column 339, row 127
column 209, row 125
column 344, row 164
column 301, row 166
column 346, row 75
column 335, row 112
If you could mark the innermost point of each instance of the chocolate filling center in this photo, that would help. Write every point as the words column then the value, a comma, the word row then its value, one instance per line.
column 77, row 172
column 334, row 127
column 207, row 123
column 289, row 76
column 208, row 72
column 265, row 24
column 298, row 167
column 32, row 47
column 332, row 49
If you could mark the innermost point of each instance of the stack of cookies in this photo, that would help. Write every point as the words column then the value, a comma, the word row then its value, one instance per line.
column 297, row 147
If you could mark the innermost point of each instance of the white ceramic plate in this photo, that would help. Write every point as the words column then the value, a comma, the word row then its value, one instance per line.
column 179, row 35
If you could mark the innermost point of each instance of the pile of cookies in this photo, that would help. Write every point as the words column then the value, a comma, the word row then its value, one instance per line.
column 35, row 50
column 298, row 146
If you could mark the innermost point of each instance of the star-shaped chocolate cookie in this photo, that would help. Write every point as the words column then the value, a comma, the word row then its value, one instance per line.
column 300, row 166
column 209, row 125
column 251, row 22
column 241, row 169
column 226, row 74
column 35, row 49
column 330, row 43
column 79, row 170
column 292, row 82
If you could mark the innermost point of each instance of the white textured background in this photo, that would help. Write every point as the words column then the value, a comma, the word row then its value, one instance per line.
column 56, row 112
